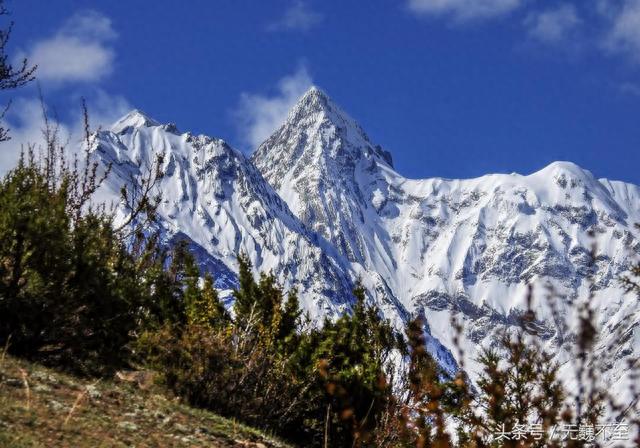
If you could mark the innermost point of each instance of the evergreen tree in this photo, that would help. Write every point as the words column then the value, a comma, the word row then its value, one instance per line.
column 166, row 304
column 216, row 314
column 204, row 308
column 291, row 316
column 72, row 294
column 351, row 357
column 246, row 295
column 519, row 384
column 423, row 417
column 69, row 288
column 269, row 306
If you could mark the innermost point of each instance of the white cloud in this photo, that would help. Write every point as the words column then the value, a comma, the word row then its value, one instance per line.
column 79, row 51
column 26, row 123
column 553, row 25
column 259, row 116
column 629, row 88
column 464, row 10
column 624, row 34
column 299, row 17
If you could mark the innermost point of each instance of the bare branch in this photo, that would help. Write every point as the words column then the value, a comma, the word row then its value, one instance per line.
column 11, row 77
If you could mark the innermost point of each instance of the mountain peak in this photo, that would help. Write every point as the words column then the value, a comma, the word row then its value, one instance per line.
column 317, row 128
column 563, row 172
column 315, row 91
column 314, row 101
column 563, row 167
column 134, row 119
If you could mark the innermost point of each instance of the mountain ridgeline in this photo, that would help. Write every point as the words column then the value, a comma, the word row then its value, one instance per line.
column 320, row 205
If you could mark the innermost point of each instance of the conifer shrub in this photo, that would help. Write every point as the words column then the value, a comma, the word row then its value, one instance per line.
column 65, row 297
column 267, row 366
column 71, row 290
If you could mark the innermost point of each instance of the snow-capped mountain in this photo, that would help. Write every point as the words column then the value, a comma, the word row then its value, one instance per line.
column 214, row 198
column 321, row 205
column 462, row 247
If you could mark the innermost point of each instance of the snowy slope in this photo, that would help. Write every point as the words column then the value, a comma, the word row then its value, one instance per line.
column 216, row 200
column 466, row 248
column 320, row 204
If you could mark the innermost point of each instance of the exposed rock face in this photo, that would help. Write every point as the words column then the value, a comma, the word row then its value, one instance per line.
column 321, row 205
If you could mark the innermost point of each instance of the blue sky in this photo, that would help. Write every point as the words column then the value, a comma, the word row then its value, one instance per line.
column 453, row 88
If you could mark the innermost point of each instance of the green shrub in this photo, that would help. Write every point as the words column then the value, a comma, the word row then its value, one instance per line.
column 74, row 288
column 68, row 285
column 268, row 367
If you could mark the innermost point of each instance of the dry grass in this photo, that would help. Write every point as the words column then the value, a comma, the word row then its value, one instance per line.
column 65, row 411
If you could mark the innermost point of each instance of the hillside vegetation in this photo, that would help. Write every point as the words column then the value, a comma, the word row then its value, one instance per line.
column 41, row 407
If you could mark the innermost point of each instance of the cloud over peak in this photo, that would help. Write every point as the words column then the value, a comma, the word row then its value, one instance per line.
column 260, row 115
column 80, row 51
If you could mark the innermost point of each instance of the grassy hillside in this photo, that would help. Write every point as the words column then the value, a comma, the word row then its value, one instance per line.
column 40, row 407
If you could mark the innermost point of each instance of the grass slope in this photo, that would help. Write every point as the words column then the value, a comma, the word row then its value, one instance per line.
column 40, row 407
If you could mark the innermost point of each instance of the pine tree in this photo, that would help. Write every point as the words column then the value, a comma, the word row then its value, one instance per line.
column 351, row 358
column 269, row 305
column 217, row 314
column 246, row 295
column 204, row 308
column 291, row 315
column 167, row 287
column 70, row 291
